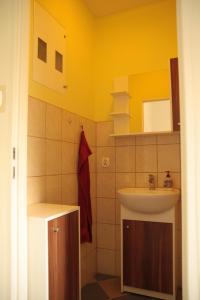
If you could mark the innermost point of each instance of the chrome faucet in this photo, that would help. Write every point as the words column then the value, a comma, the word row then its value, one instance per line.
column 152, row 182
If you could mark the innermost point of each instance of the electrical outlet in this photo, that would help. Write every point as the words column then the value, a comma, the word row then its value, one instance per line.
column 105, row 162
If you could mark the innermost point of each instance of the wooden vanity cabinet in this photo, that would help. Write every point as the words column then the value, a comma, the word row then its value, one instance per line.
column 54, row 251
column 175, row 93
column 148, row 255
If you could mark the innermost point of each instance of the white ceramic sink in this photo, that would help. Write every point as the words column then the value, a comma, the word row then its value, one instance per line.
column 144, row 200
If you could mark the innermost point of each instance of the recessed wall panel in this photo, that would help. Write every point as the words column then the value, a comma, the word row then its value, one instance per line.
column 49, row 51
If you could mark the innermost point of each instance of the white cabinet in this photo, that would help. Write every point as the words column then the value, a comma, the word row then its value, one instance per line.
column 54, row 252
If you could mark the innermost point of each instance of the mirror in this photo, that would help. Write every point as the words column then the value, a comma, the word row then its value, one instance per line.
column 147, row 102
column 157, row 116
column 150, row 104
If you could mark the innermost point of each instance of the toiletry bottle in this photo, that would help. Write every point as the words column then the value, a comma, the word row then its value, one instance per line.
column 168, row 183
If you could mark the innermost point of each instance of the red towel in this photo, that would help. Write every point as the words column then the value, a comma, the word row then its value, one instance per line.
column 84, row 200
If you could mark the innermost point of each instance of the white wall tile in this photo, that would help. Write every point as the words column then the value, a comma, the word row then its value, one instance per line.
column 125, row 141
column 106, row 185
column 53, row 122
column 104, row 129
column 36, row 156
column 53, row 157
column 53, row 189
column 106, row 236
column 125, row 159
column 106, row 210
column 68, row 126
column 169, row 158
column 146, row 158
column 173, row 138
column 36, row 118
column 69, row 161
column 69, row 189
column 106, row 261
column 125, row 180
column 146, row 140
column 36, row 189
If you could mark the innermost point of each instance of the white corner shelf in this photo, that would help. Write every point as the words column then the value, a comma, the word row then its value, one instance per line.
column 121, row 111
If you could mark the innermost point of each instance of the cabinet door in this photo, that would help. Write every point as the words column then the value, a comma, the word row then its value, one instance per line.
column 175, row 93
column 73, row 257
column 64, row 257
column 148, row 255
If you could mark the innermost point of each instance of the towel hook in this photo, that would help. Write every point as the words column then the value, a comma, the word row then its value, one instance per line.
column 82, row 127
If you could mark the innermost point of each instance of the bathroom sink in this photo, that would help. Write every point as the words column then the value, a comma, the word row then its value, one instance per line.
column 144, row 200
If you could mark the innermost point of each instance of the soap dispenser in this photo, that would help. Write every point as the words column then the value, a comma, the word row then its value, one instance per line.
column 168, row 183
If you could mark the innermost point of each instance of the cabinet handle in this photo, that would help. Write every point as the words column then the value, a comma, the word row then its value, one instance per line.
column 127, row 226
column 179, row 124
column 56, row 229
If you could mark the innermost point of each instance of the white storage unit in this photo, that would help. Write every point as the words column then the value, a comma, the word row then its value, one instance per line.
column 53, row 244
column 121, row 122
column 121, row 106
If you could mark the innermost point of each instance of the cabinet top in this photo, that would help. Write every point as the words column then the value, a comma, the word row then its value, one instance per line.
column 50, row 211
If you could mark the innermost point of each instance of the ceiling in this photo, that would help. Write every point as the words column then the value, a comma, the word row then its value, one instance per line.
column 105, row 7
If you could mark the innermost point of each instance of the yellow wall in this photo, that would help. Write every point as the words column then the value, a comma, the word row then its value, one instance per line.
column 79, row 24
column 136, row 41
column 147, row 86
column 99, row 49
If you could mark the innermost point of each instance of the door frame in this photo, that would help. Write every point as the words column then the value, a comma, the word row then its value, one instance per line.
column 188, row 21
column 20, row 76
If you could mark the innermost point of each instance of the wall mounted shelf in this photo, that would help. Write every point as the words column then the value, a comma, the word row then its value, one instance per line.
column 121, row 106
column 122, row 93
column 140, row 133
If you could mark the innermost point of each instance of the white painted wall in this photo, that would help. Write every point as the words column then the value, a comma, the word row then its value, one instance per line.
column 189, row 59
column 14, row 29
column 6, row 34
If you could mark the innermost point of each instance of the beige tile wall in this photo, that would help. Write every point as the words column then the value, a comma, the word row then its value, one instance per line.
column 53, row 137
column 53, row 141
column 131, row 160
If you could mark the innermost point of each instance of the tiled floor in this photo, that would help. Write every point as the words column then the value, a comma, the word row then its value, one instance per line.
column 107, row 287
